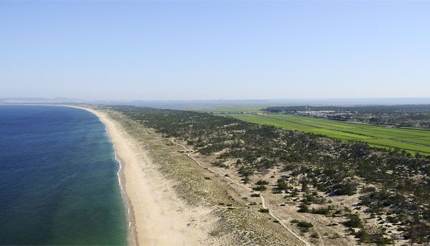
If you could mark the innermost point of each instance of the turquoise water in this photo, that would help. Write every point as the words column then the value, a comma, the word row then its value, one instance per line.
column 58, row 179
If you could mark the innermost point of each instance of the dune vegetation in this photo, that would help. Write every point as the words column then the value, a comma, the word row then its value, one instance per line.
column 328, row 190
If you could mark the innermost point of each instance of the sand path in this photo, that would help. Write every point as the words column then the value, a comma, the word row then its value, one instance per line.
column 263, row 201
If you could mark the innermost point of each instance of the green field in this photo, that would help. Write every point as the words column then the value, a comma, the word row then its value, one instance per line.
column 413, row 140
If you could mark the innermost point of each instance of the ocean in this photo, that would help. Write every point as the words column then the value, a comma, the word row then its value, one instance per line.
column 58, row 179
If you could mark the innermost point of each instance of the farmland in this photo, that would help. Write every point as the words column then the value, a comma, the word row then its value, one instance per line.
column 412, row 140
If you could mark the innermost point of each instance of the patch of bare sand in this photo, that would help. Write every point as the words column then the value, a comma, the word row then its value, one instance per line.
column 158, row 216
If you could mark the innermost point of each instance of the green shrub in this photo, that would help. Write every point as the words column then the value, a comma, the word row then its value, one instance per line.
column 353, row 221
column 262, row 182
column 302, row 225
column 303, row 208
column 259, row 188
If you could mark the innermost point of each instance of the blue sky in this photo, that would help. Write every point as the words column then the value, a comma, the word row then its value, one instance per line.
column 214, row 49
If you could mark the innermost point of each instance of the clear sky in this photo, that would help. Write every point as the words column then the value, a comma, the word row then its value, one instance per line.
column 214, row 49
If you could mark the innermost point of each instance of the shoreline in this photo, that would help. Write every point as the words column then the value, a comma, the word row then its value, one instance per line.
column 172, row 199
column 157, row 215
column 131, row 225
column 132, row 239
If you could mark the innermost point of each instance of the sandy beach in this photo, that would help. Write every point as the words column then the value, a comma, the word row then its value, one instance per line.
column 175, row 199
column 156, row 215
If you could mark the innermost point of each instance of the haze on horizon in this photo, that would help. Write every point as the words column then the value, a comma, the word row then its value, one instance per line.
column 117, row 50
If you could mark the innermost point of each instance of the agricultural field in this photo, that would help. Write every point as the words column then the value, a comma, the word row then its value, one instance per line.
column 410, row 139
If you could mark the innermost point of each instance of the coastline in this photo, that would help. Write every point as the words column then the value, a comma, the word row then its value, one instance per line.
column 132, row 239
column 157, row 215
column 172, row 199
column 65, row 190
